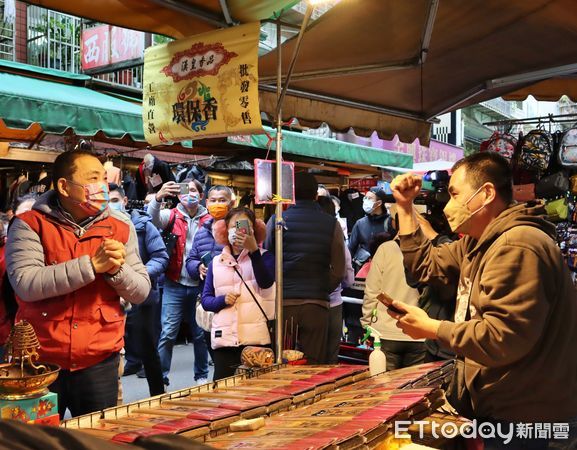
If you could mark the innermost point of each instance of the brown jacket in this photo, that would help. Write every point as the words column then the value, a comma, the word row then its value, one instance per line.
column 520, row 341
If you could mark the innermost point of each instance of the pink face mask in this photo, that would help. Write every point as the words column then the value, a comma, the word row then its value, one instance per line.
column 96, row 195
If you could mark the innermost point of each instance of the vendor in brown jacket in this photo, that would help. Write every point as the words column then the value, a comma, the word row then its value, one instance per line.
column 516, row 314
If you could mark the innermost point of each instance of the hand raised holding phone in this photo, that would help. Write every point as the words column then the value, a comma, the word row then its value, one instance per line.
column 244, row 236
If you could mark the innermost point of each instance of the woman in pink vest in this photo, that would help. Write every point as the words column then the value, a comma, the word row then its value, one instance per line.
column 239, row 289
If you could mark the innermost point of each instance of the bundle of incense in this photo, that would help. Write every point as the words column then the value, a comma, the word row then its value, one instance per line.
column 121, row 433
column 217, row 417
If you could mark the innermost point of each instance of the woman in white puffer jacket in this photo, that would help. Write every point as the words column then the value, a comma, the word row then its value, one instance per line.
column 238, row 320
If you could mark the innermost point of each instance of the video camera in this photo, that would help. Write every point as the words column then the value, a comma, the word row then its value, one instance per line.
column 438, row 198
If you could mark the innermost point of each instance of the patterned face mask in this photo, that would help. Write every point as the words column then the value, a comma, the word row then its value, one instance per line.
column 96, row 197
column 189, row 200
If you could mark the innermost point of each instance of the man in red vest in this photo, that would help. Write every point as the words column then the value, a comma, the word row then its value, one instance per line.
column 70, row 260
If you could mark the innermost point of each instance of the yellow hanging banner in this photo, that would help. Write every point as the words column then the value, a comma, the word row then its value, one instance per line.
column 202, row 86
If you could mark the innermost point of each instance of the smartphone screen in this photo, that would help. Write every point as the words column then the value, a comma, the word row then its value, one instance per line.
column 242, row 225
column 183, row 188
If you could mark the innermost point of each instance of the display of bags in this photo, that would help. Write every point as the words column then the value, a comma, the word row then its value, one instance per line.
column 502, row 143
column 535, row 151
column 552, row 186
column 568, row 149
column 524, row 192
column 557, row 209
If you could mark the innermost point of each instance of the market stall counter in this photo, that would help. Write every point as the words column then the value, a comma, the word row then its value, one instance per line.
column 283, row 407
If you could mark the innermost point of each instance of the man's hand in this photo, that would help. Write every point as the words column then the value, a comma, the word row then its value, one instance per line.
column 116, row 253
column 202, row 270
column 168, row 189
column 405, row 188
column 109, row 257
column 231, row 298
column 415, row 322
column 101, row 262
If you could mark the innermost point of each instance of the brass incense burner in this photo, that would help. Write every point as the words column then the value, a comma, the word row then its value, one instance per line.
column 21, row 375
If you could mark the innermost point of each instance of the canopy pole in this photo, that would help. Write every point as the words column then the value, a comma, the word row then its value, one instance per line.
column 278, row 213
column 279, row 225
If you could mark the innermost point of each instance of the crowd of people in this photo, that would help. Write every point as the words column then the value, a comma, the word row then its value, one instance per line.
column 93, row 277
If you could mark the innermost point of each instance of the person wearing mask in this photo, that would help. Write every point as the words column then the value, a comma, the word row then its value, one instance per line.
column 239, row 289
column 140, row 339
column 219, row 202
column 70, row 260
column 313, row 266
column 515, row 324
column 335, row 328
column 376, row 220
column 180, row 290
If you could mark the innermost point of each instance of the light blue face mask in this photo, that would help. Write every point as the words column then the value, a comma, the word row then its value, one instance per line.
column 116, row 206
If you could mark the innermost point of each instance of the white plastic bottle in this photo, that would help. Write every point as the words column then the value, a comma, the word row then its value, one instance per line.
column 377, row 358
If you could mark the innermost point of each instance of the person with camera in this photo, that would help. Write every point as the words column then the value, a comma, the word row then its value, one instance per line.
column 516, row 314
column 377, row 220
column 180, row 289
column 239, row 289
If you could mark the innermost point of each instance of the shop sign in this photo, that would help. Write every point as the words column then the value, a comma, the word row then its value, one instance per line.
column 106, row 45
column 202, row 86
column 95, row 46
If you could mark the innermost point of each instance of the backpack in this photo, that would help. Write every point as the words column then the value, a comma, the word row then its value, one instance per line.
column 535, row 151
column 502, row 143
column 568, row 149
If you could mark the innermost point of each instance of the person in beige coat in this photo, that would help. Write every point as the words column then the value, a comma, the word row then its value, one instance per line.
column 516, row 314
column 387, row 274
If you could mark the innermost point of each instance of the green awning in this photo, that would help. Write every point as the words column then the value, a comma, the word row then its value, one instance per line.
column 57, row 107
column 326, row 149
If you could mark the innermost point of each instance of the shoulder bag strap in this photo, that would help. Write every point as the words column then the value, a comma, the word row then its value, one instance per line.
column 252, row 295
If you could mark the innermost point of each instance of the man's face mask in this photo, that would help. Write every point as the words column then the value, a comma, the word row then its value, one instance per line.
column 459, row 216
column 218, row 210
column 96, row 197
column 368, row 205
column 116, row 206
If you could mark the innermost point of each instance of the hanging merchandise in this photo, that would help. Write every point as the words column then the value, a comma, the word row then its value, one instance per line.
column 524, row 192
column 502, row 143
column 568, row 149
column 553, row 185
column 557, row 209
column 536, row 149
column 573, row 184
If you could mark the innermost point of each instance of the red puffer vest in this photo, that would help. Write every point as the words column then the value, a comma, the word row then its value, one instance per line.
column 79, row 329
column 180, row 229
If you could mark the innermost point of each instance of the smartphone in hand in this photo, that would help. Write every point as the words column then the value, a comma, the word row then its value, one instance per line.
column 386, row 300
column 243, row 226
column 184, row 189
column 206, row 258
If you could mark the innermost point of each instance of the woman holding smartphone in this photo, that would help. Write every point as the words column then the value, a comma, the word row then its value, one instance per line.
column 239, row 289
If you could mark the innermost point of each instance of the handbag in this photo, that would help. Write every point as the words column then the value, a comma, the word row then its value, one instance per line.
column 203, row 317
column 270, row 324
column 552, row 185
column 524, row 192
column 170, row 239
